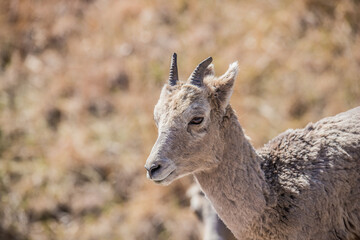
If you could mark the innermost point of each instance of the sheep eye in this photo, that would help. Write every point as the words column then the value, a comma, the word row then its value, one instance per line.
column 196, row 120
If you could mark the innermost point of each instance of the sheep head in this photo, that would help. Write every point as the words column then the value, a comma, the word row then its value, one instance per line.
column 189, row 118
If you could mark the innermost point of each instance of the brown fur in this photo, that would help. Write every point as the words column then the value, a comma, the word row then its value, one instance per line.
column 304, row 184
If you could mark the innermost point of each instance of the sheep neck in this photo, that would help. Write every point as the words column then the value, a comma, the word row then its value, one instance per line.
column 237, row 185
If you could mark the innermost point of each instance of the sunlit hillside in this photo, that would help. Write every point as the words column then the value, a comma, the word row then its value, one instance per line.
column 79, row 80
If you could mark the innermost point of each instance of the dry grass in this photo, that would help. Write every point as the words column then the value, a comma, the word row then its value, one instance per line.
column 79, row 80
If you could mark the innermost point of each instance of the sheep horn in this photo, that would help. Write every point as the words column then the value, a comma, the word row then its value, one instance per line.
column 197, row 76
column 173, row 77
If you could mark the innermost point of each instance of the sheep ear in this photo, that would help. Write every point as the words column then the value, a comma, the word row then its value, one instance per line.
column 224, row 85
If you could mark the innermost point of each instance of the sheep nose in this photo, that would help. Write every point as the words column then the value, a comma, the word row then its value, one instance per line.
column 153, row 169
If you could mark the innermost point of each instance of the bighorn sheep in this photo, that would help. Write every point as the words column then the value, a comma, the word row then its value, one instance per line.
column 304, row 184
column 213, row 227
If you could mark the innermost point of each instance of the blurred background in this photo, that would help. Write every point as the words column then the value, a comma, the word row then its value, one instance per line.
column 79, row 80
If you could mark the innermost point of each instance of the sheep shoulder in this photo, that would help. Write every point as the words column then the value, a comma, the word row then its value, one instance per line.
column 314, row 173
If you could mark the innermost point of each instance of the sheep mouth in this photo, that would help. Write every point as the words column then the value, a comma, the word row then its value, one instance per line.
column 166, row 180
